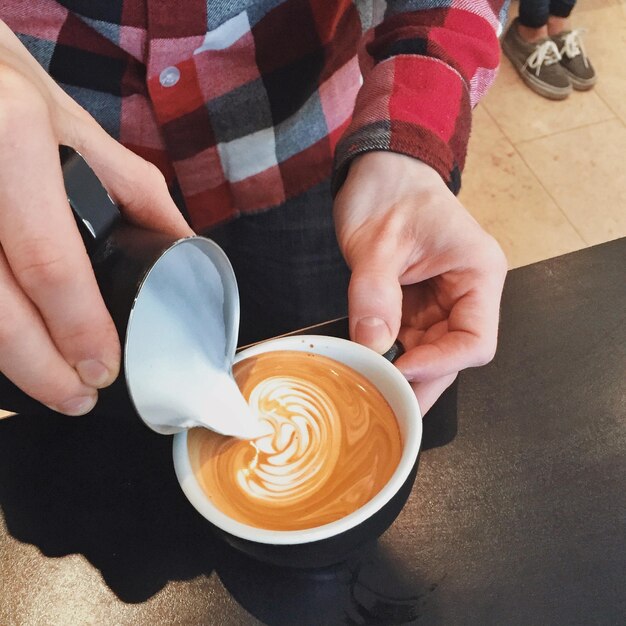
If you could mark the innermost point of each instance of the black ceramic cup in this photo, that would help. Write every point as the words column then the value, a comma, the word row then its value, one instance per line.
column 330, row 543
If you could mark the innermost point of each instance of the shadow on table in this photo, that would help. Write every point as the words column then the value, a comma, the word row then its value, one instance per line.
column 105, row 488
column 440, row 424
column 372, row 588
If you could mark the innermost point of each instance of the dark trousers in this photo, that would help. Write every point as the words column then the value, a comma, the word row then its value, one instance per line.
column 534, row 13
column 288, row 265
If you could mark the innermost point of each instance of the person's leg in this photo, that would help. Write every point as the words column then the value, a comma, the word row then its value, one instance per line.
column 558, row 20
column 574, row 60
column 288, row 265
column 532, row 21
column 533, row 54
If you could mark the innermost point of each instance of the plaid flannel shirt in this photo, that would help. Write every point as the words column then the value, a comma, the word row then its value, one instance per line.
column 245, row 104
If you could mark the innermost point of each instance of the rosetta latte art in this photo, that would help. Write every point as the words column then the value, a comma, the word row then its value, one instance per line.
column 331, row 443
column 300, row 451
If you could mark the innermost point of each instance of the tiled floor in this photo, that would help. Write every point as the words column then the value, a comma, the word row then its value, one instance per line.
column 548, row 177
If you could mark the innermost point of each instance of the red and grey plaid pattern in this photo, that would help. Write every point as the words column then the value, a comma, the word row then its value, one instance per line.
column 246, row 103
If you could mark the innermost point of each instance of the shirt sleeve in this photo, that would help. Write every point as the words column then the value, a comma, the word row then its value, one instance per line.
column 425, row 66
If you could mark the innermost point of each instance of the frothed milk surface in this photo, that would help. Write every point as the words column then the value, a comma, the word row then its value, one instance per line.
column 330, row 443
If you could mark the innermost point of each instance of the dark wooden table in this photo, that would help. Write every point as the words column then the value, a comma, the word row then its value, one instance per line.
column 518, row 514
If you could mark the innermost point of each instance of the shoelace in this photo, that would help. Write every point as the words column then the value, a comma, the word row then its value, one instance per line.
column 573, row 45
column 545, row 54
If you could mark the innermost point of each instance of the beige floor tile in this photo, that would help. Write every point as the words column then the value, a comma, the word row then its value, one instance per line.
column 523, row 115
column 592, row 5
column 581, row 6
column 584, row 171
column 605, row 41
column 509, row 202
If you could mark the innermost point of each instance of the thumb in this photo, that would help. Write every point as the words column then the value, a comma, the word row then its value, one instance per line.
column 374, row 304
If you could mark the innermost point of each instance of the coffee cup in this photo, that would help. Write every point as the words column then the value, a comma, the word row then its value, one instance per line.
column 332, row 542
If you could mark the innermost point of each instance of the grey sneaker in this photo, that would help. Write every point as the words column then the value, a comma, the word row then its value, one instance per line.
column 574, row 60
column 538, row 64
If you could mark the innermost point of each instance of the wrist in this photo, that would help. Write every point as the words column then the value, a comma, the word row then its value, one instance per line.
column 395, row 166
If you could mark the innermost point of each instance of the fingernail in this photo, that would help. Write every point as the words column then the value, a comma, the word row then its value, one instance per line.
column 94, row 373
column 374, row 333
column 77, row 406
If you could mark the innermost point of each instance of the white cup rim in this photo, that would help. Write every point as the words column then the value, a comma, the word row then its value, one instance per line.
column 360, row 358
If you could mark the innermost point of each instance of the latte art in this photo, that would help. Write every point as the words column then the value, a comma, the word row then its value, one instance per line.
column 300, row 450
column 331, row 443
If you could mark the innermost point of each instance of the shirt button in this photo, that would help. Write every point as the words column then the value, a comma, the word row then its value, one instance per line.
column 169, row 76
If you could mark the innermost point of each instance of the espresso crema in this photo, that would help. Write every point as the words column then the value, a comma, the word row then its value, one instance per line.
column 332, row 442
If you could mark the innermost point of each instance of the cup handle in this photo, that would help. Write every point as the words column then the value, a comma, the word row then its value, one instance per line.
column 95, row 212
column 395, row 352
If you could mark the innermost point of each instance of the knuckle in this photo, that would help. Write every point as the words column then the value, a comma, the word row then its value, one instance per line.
column 155, row 176
column 137, row 189
column 149, row 177
column 55, row 392
column 494, row 256
column 20, row 102
column 486, row 353
column 77, row 335
column 38, row 264
column 9, row 326
column 13, row 82
column 52, row 393
column 93, row 335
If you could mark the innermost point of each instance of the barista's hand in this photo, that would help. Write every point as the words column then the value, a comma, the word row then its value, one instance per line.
column 57, row 340
column 422, row 270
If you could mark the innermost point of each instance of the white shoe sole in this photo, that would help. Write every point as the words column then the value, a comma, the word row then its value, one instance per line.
column 538, row 86
column 580, row 84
